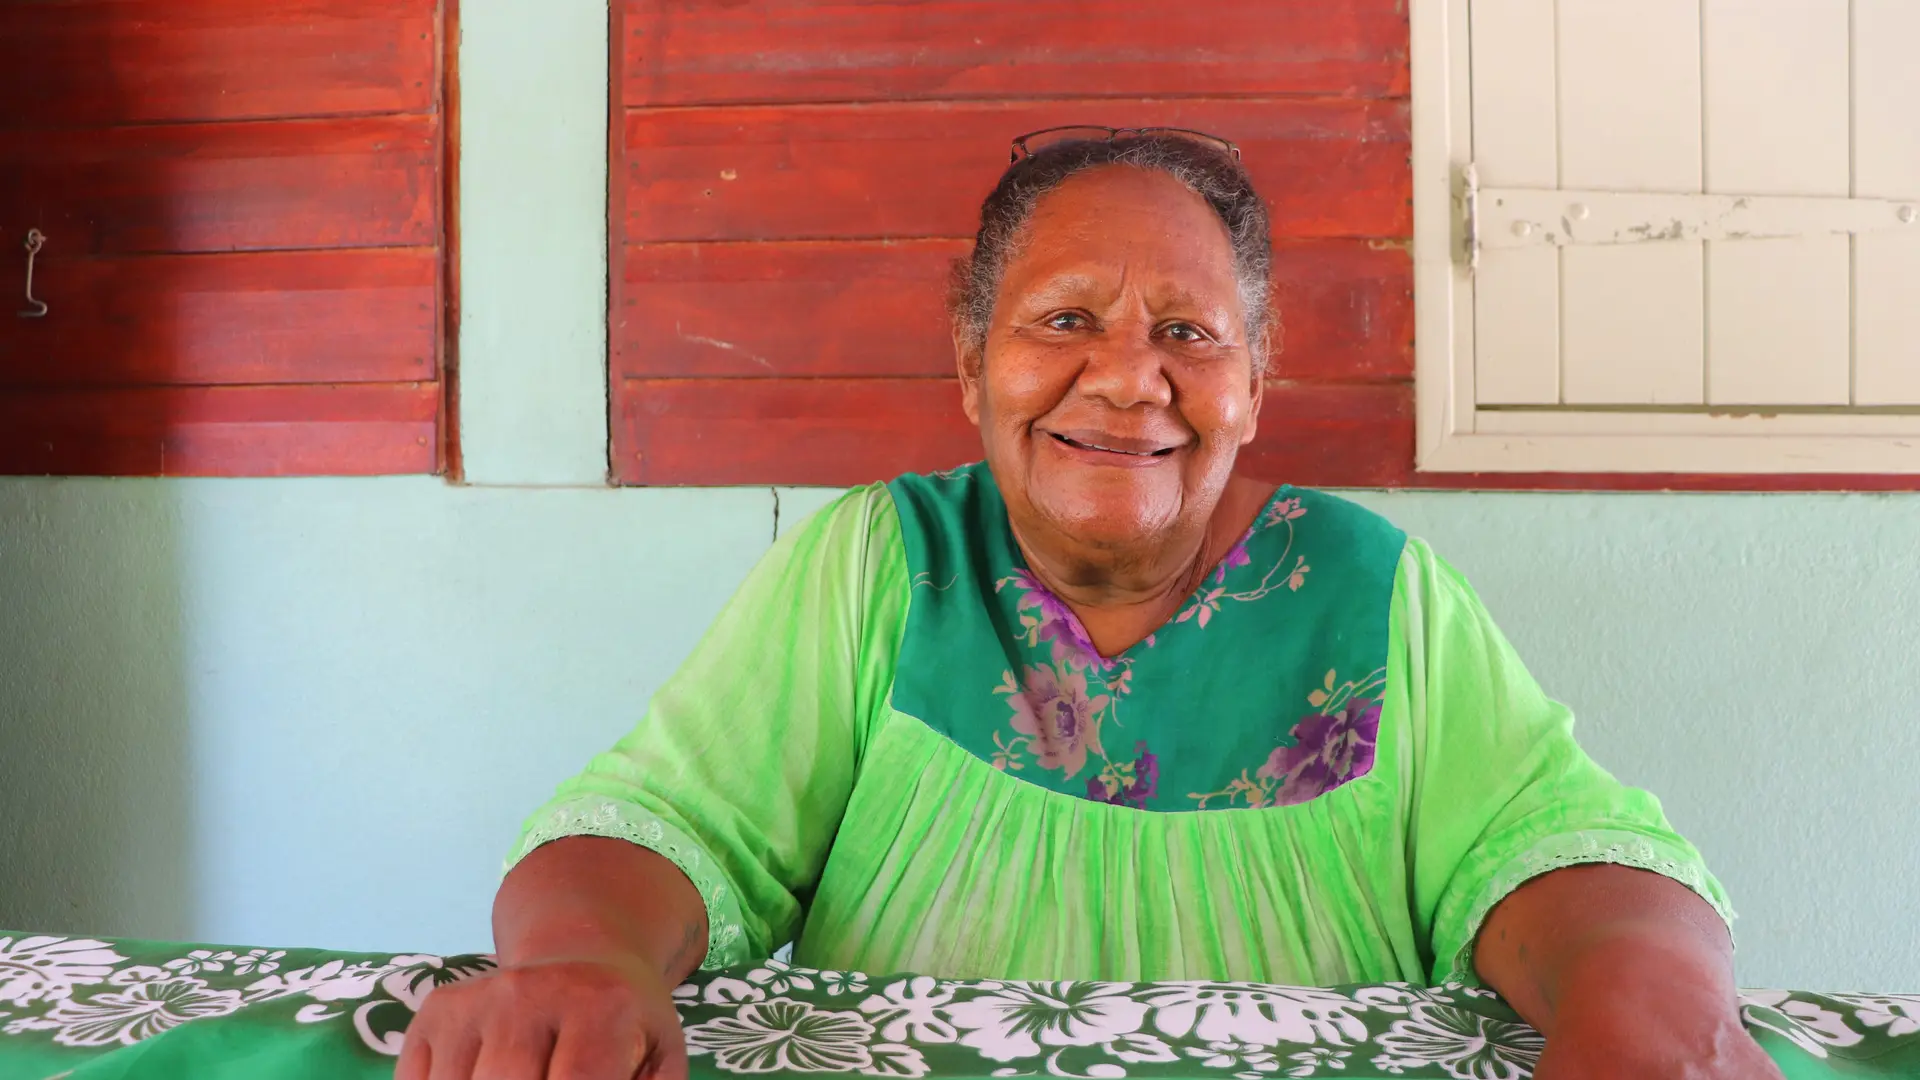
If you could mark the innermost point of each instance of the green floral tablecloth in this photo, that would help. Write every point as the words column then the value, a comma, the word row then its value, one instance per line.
column 90, row 1009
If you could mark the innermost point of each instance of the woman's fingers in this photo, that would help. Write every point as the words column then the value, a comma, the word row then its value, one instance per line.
column 670, row 1058
column 584, row 1052
column 559, row 1020
column 453, row 1054
column 511, row 1051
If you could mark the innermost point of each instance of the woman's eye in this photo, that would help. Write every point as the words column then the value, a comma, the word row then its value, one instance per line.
column 1185, row 332
column 1067, row 320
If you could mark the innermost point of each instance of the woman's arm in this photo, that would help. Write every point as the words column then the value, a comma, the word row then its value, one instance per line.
column 1627, row 974
column 591, row 897
column 593, row 935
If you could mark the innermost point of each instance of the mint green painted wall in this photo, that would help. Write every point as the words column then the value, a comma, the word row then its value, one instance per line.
column 314, row 711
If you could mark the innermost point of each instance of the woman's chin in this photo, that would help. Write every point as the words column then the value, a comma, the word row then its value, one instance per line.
column 1107, row 512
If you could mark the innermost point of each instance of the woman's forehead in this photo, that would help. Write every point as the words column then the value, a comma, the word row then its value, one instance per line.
column 1123, row 220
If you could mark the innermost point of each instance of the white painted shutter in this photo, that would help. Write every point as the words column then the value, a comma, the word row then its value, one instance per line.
column 1694, row 205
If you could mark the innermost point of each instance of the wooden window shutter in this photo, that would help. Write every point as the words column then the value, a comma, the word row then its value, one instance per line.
column 245, row 212
column 1690, row 242
column 793, row 179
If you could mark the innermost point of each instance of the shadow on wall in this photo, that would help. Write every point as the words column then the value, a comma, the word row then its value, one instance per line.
column 94, row 764
column 94, row 757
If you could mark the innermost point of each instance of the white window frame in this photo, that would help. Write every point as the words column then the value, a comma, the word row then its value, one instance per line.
column 1456, row 435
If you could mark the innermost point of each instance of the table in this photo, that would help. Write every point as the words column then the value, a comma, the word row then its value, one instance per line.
column 88, row 1009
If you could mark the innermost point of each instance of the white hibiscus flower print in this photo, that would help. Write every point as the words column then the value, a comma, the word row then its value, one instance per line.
column 1308, row 1062
column 836, row 983
column 48, row 968
column 784, row 1036
column 1262, row 1015
column 780, row 978
column 263, row 961
column 335, row 980
column 1396, row 997
column 726, row 990
column 1140, row 1048
column 1468, row 1046
column 124, row 1017
column 1898, row 1013
column 200, row 960
column 912, row 1010
column 1233, row 1054
column 1020, row 1018
column 1803, row 1023
column 893, row 1059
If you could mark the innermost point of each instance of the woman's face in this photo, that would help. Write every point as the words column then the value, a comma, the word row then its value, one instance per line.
column 1117, row 384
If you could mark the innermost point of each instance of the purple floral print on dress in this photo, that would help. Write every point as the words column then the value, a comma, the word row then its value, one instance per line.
column 1058, row 624
column 1236, row 557
column 1145, row 784
column 1328, row 751
column 1054, row 710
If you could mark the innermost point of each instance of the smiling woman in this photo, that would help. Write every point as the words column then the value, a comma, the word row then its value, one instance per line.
column 1098, row 708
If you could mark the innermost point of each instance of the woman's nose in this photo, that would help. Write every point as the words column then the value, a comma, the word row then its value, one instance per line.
column 1125, row 369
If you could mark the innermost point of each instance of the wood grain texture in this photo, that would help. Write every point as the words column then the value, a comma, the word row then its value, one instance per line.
column 87, row 63
column 876, row 308
column 916, row 170
column 369, row 182
column 279, row 317
column 682, row 52
column 841, row 432
column 855, row 431
column 1345, row 308
column 221, row 431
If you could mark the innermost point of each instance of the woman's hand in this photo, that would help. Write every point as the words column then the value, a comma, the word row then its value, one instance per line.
column 557, row 1019
column 593, row 935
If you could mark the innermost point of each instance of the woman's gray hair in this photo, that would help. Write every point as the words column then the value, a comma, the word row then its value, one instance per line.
column 1210, row 172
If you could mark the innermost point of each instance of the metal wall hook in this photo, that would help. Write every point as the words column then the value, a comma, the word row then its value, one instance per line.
column 35, row 309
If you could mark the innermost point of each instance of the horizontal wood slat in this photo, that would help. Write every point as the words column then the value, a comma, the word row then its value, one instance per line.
column 853, row 431
column 1330, row 167
column 276, row 317
column 876, row 308
column 83, row 63
column 222, row 431
column 681, row 52
column 828, row 432
column 369, row 182
column 786, row 309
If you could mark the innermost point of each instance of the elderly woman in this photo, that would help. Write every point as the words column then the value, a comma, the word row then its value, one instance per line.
column 1100, row 708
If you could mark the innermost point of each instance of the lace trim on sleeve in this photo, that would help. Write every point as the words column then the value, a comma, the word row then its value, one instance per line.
column 1579, row 849
column 600, row 816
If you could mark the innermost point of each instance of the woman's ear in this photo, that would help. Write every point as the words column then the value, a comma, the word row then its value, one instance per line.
column 1260, row 358
column 969, row 361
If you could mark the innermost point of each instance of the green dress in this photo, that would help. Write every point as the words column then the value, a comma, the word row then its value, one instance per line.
column 898, row 751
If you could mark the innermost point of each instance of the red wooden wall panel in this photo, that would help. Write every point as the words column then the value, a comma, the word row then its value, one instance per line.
column 282, row 317
column 851, row 431
column 688, row 52
column 794, row 178
column 205, row 431
column 874, row 308
column 362, row 182
column 247, row 249
column 1329, row 167
column 174, row 60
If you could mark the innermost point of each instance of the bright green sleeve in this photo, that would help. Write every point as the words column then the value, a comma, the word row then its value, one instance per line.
column 1501, row 791
column 741, row 768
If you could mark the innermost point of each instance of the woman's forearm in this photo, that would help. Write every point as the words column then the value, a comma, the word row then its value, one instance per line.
column 594, row 898
column 1596, row 930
